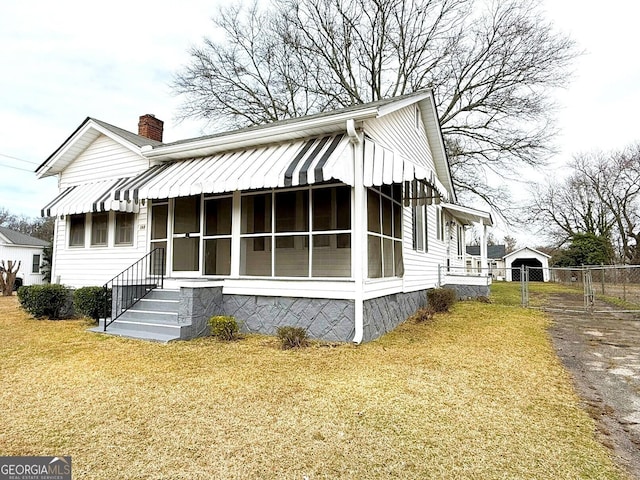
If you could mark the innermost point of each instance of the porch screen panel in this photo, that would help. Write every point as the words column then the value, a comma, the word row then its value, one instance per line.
column 217, row 233
column 186, row 215
column 384, row 226
column 186, row 254
column 302, row 232
column 331, row 212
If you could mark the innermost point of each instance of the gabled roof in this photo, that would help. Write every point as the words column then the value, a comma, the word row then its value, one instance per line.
column 82, row 137
column 20, row 239
column 519, row 251
column 493, row 251
column 322, row 124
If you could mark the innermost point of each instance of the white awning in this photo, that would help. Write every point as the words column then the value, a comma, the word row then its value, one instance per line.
column 89, row 197
column 301, row 162
column 383, row 166
column 469, row 215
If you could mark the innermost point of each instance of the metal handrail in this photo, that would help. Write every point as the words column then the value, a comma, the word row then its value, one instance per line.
column 132, row 284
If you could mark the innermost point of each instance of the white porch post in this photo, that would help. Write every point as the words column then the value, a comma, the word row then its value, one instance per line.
column 236, row 219
column 484, row 265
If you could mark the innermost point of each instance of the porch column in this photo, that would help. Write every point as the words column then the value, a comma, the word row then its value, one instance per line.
column 236, row 219
column 484, row 265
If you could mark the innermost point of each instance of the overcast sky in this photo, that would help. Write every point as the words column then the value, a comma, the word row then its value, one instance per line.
column 63, row 61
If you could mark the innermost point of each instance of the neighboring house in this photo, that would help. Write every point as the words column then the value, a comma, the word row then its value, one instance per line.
column 337, row 222
column 538, row 263
column 16, row 246
column 495, row 260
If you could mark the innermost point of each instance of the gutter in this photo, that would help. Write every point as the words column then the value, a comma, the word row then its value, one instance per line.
column 253, row 136
column 359, row 232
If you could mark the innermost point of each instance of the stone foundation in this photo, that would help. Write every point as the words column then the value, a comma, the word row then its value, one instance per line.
column 465, row 292
column 384, row 314
column 324, row 319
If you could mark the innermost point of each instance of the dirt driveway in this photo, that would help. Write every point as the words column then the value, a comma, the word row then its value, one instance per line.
column 602, row 351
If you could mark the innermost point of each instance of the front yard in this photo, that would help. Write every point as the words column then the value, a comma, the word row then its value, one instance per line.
column 477, row 393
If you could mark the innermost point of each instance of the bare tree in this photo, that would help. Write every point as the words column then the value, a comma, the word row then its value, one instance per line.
column 8, row 274
column 491, row 66
column 601, row 197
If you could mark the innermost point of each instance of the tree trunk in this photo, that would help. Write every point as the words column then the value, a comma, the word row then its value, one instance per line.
column 8, row 276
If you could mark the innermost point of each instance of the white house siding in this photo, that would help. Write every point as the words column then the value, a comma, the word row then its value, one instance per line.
column 24, row 255
column 398, row 131
column 421, row 268
column 91, row 266
column 103, row 159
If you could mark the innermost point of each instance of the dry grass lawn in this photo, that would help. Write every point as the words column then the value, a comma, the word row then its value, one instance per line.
column 477, row 393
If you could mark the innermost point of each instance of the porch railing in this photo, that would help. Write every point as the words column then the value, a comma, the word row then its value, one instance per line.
column 132, row 284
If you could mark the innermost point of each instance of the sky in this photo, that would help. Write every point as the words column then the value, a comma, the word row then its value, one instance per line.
column 63, row 61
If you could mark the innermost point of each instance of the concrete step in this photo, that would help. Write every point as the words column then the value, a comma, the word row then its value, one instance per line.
column 164, row 294
column 172, row 329
column 157, row 305
column 113, row 329
column 152, row 316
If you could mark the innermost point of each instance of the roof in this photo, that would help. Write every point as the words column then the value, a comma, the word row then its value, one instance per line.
column 493, row 251
column 521, row 250
column 17, row 238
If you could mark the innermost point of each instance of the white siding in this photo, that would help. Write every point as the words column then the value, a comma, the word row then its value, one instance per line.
column 421, row 268
column 398, row 131
column 103, row 159
column 23, row 254
column 91, row 266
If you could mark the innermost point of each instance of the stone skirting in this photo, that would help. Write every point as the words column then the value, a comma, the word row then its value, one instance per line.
column 465, row 292
column 324, row 319
column 384, row 314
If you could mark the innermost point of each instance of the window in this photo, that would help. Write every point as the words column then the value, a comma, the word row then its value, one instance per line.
column 460, row 232
column 420, row 228
column 124, row 228
column 99, row 229
column 35, row 265
column 302, row 232
column 76, row 230
column 384, row 227
column 439, row 224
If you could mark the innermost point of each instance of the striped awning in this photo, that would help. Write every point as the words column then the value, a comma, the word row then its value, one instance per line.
column 301, row 162
column 383, row 166
column 89, row 197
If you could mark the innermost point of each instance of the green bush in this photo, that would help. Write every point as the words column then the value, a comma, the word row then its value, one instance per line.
column 90, row 302
column 441, row 299
column 224, row 327
column 45, row 301
column 293, row 337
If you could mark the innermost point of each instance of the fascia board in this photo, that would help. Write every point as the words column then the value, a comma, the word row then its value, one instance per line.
column 254, row 137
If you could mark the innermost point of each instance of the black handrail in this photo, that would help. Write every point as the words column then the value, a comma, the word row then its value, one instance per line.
column 132, row 284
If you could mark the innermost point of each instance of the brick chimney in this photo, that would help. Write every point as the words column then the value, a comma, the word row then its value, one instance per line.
column 151, row 127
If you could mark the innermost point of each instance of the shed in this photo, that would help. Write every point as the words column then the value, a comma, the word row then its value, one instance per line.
column 16, row 246
column 537, row 261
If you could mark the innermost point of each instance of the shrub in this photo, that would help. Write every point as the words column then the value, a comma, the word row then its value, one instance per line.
column 424, row 314
column 224, row 327
column 441, row 299
column 90, row 302
column 49, row 300
column 293, row 337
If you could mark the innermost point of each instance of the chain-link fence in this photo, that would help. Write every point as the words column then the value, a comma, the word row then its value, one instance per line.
column 616, row 287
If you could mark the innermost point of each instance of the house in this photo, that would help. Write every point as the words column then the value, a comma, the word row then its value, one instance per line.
column 29, row 251
column 336, row 222
column 536, row 261
column 495, row 260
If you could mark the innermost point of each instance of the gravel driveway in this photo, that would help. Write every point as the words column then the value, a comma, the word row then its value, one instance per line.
column 602, row 352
